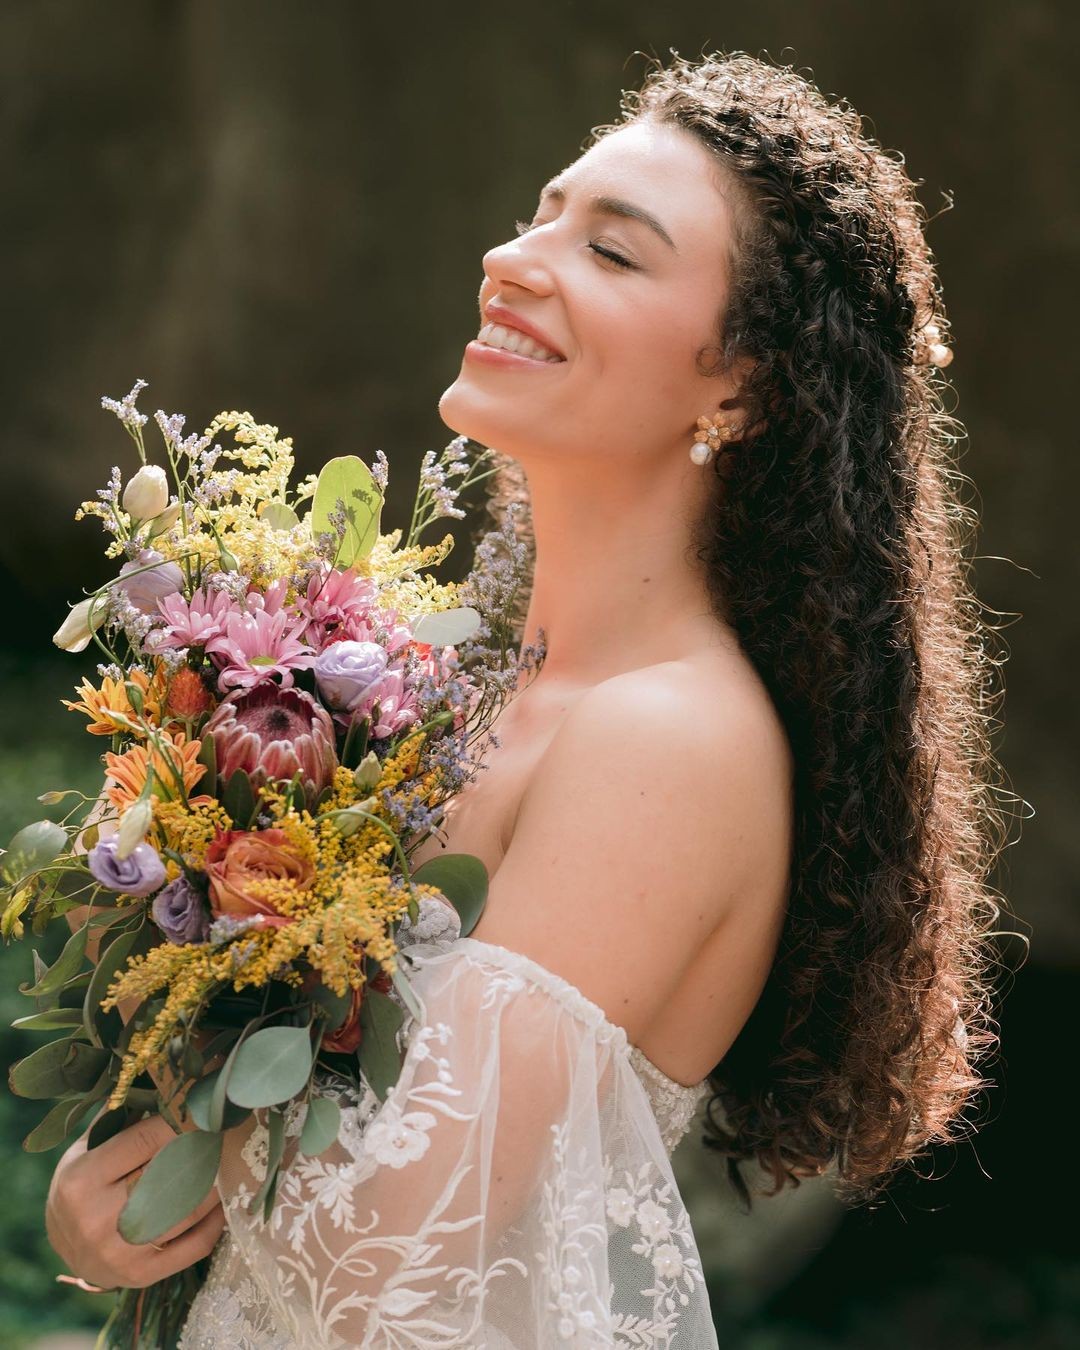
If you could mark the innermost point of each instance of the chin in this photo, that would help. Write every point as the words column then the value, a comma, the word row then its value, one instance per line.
column 472, row 413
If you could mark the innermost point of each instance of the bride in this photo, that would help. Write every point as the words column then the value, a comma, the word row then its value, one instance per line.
column 737, row 828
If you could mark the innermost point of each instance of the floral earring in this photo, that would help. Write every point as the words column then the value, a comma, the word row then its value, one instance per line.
column 712, row 432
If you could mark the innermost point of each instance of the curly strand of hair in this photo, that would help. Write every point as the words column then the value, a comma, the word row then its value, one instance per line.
column 834, row 543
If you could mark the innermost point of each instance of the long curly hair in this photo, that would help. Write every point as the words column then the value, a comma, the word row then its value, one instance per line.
column 834, row 545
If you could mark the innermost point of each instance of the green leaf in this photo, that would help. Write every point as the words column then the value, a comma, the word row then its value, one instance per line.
column 52, row 1019
column 41, row 1074
column 209, row 1114
column 321, row 1125
column 112, row 1122
column 356, row 739
column 34, row 847
column 63, row 968
column 279, row 516
column 275, row 1127
column 176, row 1181
column 56, row 1125
column 463, row 879
column 270, row 1067
column 447, row 627
column 239, row 799
column 347, row 479
column 336, row 1006
column 98, row 1024
column 207, row 756
column 83, row 1066
column 380, row 1059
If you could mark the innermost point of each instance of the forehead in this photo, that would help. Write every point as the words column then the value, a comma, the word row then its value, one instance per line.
column 662, row 168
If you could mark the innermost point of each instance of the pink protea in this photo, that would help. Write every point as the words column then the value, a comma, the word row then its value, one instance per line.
column 256, row 646
column 337, row 601
column 271, row 734
column 190, row 623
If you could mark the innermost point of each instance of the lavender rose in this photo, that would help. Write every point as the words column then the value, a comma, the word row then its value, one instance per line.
column 141, row 872
column 145, row 589
column 180, row 912
column 346, row 671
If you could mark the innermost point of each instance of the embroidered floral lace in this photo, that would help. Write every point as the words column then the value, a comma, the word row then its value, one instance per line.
column 514, row 1191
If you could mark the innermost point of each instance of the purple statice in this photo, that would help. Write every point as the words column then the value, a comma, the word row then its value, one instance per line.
column 233, row 584
column 141, row 872
column 125, row 409
column 380, row 471
column 180, row 911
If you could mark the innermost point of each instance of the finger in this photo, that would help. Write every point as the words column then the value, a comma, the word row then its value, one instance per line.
column 192, row 1246
column 132, row 1147
column 200, row 1211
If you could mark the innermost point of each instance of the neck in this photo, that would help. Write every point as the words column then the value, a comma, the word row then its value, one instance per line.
column 616, row 586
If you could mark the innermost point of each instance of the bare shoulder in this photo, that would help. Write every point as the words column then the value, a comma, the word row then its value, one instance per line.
column 642, row 828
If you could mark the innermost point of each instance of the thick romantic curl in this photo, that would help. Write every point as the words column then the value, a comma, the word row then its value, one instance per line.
column 834, row 546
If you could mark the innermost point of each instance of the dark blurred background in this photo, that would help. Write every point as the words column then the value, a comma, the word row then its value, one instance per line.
column 282, row 208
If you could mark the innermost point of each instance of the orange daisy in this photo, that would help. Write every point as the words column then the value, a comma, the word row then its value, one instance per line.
column 105, row 705
column 129, row 771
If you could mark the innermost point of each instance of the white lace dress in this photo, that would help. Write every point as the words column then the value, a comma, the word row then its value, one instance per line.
column 514, row 1191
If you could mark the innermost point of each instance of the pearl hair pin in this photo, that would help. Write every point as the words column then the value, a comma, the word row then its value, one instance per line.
column 712, row 432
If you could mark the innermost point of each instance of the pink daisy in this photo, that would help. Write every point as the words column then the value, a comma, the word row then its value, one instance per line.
column 336, row 601
column 190, row 623
column 257, row 646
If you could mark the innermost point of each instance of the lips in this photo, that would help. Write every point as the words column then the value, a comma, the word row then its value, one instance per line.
column 508, row 319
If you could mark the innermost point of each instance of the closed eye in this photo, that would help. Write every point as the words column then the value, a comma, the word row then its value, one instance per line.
column 523, row 227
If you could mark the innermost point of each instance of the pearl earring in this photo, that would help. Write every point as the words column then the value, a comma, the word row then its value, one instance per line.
column 712, row 432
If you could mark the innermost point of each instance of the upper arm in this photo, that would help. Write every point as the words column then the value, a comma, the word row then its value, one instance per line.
column 640, row 830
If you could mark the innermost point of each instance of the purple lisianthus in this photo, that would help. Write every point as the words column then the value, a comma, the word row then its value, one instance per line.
column 146, row 588
column 141, row 872
column 346, row 671
column 181, row 913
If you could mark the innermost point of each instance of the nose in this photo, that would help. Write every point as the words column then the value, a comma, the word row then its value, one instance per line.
column 518, row 262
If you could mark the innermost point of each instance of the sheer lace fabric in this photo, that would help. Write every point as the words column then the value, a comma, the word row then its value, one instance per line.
column 514, row 1191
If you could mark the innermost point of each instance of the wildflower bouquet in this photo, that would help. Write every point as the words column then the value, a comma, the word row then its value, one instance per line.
column 288, row 703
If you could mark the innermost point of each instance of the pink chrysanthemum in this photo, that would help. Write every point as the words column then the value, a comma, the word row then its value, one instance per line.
column 257, row 646
column 190, row 623
column 337, row 604
column 269, row 601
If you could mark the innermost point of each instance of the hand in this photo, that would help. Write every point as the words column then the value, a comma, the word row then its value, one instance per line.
column 87, row 1193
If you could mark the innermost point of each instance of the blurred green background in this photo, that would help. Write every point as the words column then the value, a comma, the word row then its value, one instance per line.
column 282, row 208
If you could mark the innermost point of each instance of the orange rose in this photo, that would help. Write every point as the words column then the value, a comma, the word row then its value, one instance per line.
column 346, row 1038
column 238, row 859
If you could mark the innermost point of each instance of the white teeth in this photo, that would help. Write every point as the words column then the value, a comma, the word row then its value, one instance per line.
column 511, row 340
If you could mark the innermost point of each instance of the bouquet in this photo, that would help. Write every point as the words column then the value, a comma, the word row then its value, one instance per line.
column 288, row 702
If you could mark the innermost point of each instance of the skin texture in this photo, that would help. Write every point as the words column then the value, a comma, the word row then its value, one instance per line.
column 604, row 438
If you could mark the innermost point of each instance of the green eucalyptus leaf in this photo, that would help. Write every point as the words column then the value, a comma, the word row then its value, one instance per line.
column 463, row 879
column 321, row 1125
column 56, row 1125
column 347, row 479
column 209, row 1114
column 279, row 516
column 62, row 969
column 447, row 627
column 275, row 1147
column 336, row 1006
column 83, row 1066
column 52, row 1019
column 41, row 1074
column 380, row 1059
column 271, row 1066
column 176, row 1181
column 112, row 960
column 34, row 847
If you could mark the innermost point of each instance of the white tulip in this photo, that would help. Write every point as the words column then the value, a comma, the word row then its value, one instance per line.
column 134, row 824
column 147, row 494
column 75, row 632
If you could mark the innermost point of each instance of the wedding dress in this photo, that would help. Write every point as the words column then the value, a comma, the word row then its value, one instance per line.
column 514, row 1191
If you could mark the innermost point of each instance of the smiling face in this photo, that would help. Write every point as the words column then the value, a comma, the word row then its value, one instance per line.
column 628, row 385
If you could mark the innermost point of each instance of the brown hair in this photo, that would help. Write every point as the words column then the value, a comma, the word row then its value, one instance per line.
column 834, row 544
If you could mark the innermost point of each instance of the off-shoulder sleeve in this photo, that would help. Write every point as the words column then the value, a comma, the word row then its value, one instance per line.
column 512, row 1191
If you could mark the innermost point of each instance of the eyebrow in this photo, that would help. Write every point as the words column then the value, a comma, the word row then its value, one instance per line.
column 612, row 206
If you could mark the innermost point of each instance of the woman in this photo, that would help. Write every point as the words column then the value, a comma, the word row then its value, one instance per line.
column 738, row 828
